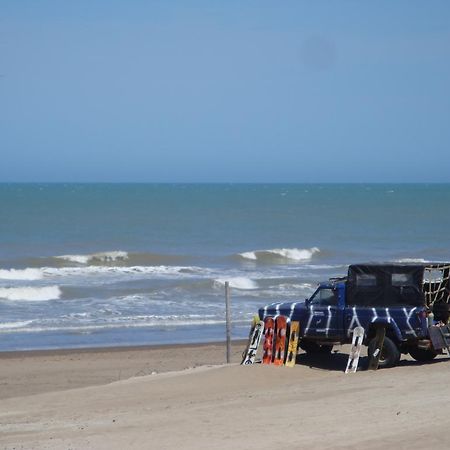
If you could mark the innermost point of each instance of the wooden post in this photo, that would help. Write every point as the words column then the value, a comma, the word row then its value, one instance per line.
column 228, row 320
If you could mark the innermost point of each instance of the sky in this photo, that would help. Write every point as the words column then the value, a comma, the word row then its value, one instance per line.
column 224, row 91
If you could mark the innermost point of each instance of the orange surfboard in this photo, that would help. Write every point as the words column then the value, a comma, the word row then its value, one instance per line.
column 269, row 325
column 280, row 340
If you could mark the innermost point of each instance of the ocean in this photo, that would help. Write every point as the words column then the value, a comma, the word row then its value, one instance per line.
column 87, row 265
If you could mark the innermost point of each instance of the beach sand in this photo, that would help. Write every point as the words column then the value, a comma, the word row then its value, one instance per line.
column 185, row 397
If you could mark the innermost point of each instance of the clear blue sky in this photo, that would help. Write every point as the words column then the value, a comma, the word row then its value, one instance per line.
column 245, row 91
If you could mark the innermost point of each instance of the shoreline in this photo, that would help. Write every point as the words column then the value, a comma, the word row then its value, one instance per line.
column 113, row 348
column 121, row 337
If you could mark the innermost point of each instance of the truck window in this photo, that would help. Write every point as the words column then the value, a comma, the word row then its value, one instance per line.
column 432, row 275
column 402, row 279
column 366, row 280
column 325, row 297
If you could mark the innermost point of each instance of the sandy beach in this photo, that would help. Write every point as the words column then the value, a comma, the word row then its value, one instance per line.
column 185, row 397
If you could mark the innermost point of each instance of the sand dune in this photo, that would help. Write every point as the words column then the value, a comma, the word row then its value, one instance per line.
column 314, row 405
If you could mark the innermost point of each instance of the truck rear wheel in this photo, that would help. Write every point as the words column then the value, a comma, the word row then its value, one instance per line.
column 312, row 348
column 420, row 354
column 390, row 353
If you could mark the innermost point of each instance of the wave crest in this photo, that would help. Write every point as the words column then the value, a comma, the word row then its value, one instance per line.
column 113, row 256
column 6, row 326
column 411, row 260
column 242, row 283
column 46, row 273
column 21, row 274
column 29, row 293
column 122, row 270
column 285, row 254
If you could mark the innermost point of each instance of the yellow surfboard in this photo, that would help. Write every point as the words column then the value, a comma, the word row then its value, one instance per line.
column 293, row 344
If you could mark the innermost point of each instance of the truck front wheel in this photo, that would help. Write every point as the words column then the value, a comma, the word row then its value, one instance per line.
column 420, row 354
column 390, row 354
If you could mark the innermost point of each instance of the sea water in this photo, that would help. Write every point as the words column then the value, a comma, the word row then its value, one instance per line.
column 129, row 264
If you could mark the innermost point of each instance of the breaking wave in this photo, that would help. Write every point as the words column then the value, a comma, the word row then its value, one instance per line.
column 30, row 294
column 237, row 283
column 121, row 270
column 7, row 326
column 276, row 254
column 412, row 260
column 21, row 274
column 119, row 257
column 96, row 257
column 50, row 272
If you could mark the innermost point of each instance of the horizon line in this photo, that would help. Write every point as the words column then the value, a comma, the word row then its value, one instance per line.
column 234, row 182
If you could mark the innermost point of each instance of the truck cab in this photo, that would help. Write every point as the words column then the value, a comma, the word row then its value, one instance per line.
column 324, row 316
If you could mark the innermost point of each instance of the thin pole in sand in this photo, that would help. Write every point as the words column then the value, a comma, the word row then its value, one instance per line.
column 228, row 320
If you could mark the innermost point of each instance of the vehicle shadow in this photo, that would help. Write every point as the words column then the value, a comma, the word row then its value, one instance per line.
column 411, row 362
column 337, row 361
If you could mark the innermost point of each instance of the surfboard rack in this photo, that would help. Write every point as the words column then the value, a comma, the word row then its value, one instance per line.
column 440, row 337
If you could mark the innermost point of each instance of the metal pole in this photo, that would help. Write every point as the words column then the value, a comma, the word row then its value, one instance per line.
column 228, row 320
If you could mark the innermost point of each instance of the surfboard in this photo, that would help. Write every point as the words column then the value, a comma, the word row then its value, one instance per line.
column 280, row 340
column 294, row 331
column 256, row 333
column 269, row 325
column 250, row 334
column 355, row 351
column 374, row 359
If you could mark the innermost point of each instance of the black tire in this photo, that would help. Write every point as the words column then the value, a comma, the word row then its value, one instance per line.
column 420, row 354
column 312, row 348
column 390, row 353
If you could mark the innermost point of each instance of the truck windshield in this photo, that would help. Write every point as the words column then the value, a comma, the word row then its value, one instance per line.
column 325, row 297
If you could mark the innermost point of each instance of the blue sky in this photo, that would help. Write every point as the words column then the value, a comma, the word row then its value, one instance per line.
column 248, row 91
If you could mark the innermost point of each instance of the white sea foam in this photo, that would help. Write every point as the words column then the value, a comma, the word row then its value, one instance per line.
column 249, row 255
column 155, row 321
column 96, row 257
column 295, row 287
column 121, row 270
column 80, row 259
column 55, row 272
column 5, row 326
column 293, row 290
column 21, row 274
column 412, row 260
column 323, row 266
column 291, row 254
column 295, row 254
column 30, row 293
column 242, row 283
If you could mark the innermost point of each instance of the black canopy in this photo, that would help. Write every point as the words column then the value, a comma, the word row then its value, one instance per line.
column 383, row 285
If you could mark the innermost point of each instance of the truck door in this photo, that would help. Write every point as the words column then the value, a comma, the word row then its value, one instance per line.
column 325, row 315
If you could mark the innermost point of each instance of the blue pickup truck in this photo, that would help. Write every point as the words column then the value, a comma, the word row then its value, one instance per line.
column 403, row 298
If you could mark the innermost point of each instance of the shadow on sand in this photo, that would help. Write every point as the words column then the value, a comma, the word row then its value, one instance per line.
column 337, row 361
column 334, row 361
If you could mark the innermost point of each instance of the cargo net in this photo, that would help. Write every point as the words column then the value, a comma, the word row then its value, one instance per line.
column 436, row 285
